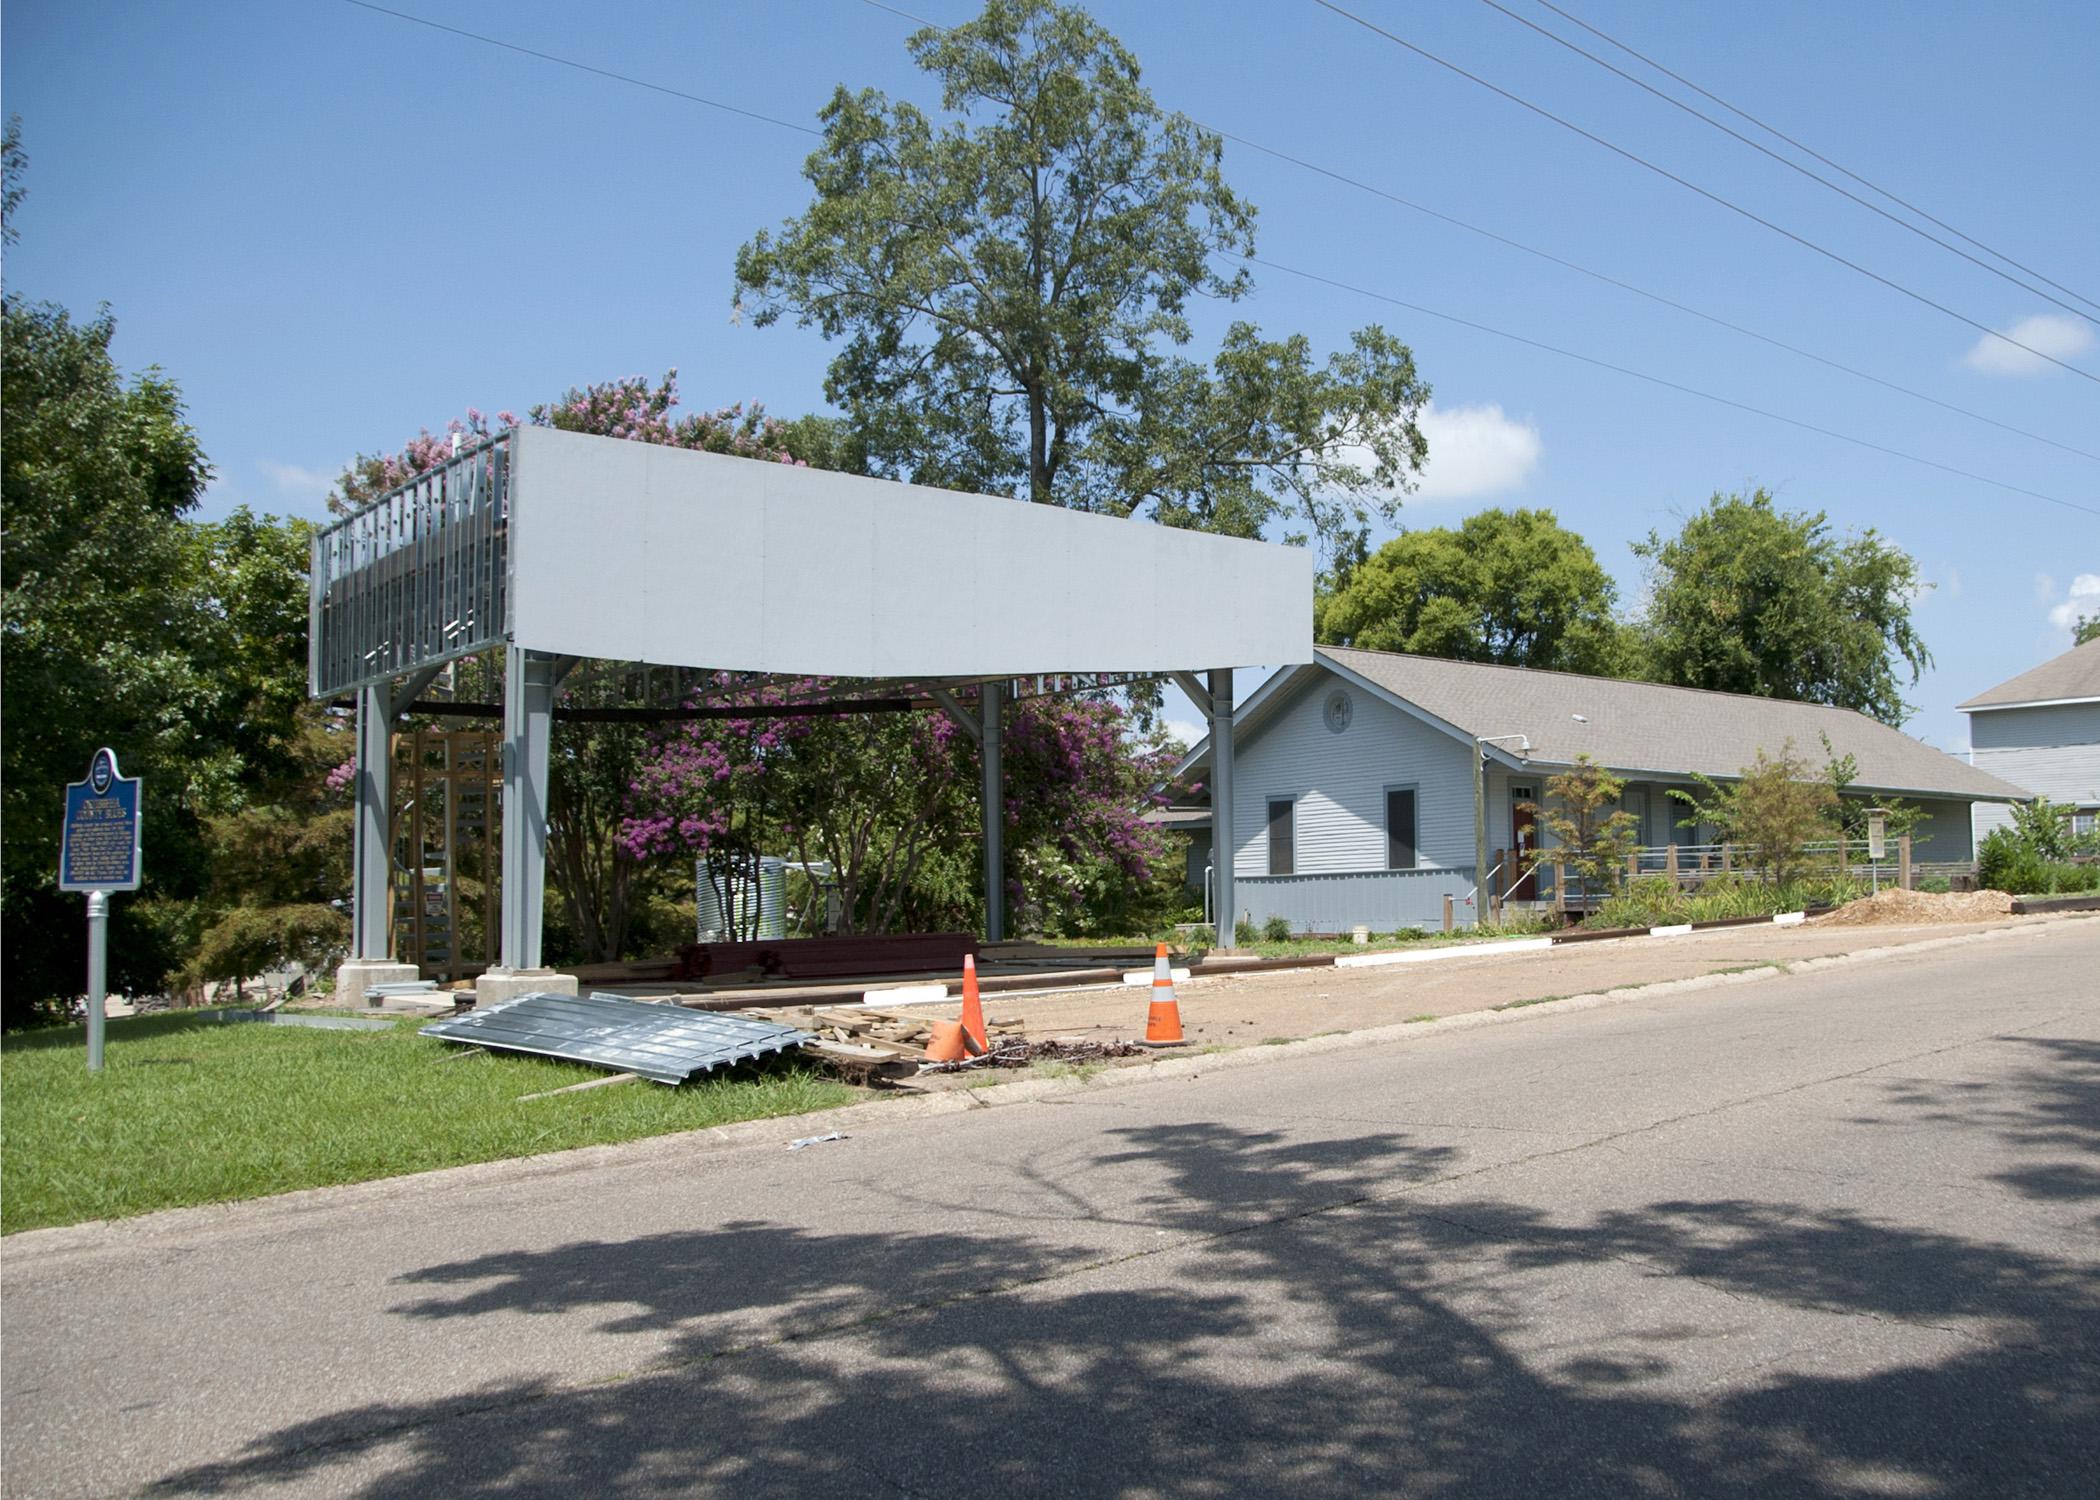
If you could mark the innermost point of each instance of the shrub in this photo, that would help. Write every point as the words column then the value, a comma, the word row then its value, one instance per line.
column 1935, row 885
column 1651, row 901
column 1243, row 932
column 1277, row 930
column 1409, row 935
column 2008, row 862
column 1517, row 924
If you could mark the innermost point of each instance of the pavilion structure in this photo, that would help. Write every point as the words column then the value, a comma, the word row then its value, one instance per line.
column 558, row 548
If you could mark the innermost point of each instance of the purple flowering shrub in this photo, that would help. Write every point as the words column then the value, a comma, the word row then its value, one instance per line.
column 628, row 408
column 889, row 801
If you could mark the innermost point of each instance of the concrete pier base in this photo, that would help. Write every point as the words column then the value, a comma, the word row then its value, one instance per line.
column 358, row 975
column 502, row 984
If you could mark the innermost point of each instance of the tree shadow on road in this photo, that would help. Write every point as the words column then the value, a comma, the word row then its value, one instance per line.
column 2049, row 1110
column 1246, row 1315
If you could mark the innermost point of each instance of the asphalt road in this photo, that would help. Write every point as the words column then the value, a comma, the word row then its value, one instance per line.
column 1831, row 1234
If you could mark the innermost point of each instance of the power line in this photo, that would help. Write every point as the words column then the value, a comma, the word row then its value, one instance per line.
column 1656, row 297
column 1600, row 276
column 1667, row 384
column 1595, row 275
column 1793, row 166
column 1811, row 151
column 1356, row 290
column 1690, row 186
column 582, row 67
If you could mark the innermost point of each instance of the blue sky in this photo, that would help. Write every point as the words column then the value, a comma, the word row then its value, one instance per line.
column 334, row 227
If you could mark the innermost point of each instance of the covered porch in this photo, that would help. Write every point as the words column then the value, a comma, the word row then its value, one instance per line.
column 833, row 592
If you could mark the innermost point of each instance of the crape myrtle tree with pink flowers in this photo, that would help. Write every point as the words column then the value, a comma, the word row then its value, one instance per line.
column 888, row 801
column 604, row 901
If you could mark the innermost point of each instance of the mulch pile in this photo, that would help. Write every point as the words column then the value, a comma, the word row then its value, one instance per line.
column 1896, row 907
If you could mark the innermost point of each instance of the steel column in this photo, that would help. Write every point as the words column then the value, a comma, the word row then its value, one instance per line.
column 369, row 917
column 992, row 801
column 1223, row 846
column 528, row 719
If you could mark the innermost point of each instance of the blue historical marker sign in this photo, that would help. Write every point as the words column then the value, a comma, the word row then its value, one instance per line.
column 99, row 850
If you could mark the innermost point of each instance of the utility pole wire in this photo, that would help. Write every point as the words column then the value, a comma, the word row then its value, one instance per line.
column 1684, row 182
column 1667, row 384
column 1793, row 166
column 1595, row 275
column 1810, row 151
column 581, row 67
column 1656, row 297
column 1345, row 286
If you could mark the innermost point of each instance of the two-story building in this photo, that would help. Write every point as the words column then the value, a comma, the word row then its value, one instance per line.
column 2041, row 731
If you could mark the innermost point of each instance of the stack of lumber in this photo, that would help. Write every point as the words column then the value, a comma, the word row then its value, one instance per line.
column 627, row 971
column 865, row 955
column 1019, row 951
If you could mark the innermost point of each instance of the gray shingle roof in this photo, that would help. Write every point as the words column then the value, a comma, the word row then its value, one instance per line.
column 2075, row 674
column 1646, row 726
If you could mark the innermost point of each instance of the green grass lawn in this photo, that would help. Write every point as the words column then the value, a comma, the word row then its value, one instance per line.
column 189, row 1112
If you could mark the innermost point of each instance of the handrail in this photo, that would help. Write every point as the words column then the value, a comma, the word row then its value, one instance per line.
column 1484, row 880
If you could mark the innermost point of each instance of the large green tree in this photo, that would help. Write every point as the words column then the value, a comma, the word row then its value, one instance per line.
column 1508, row 586
column 1748, row 598
column 102, row 629
column 1012, row 288
column 124, row 622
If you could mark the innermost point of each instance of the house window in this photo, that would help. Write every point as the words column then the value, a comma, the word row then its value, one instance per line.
column 1400, row 828
column 1283, row 843
column 2083, row 823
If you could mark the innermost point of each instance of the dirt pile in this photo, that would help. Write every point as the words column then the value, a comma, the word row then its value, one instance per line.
column 1900, row 908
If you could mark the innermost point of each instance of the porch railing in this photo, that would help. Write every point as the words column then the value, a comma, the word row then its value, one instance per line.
column 1691, row 866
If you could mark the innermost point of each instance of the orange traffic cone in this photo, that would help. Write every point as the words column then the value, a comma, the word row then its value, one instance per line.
column 1163, row 1023
column 973, row 1008
column 946, row 1043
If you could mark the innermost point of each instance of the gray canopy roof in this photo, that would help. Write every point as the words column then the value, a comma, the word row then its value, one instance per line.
column 1643, row 728
column 2072, row 677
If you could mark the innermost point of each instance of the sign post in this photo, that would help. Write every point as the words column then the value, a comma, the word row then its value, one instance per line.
column 98, row 853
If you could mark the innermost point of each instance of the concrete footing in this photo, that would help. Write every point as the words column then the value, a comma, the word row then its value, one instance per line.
column 502, row 984
column 360, row 974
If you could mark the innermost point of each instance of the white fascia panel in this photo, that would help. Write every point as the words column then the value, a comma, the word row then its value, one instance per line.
column 628, row 551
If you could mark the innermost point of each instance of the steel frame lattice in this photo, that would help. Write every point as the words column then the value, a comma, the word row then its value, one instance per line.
column 419, row 576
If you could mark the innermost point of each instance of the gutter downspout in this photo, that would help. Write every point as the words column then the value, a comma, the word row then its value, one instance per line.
column 1480, row 832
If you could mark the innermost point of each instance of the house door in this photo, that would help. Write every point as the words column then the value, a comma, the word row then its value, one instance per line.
column 1522, row 882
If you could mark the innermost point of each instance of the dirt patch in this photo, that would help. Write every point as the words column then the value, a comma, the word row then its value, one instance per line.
column 1900, row 908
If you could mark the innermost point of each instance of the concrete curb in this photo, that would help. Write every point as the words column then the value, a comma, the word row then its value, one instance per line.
column 36, row 1252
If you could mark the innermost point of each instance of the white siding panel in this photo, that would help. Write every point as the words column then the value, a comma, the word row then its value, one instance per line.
column 2062, row 773
column 2016, row 728
column 1339, row 782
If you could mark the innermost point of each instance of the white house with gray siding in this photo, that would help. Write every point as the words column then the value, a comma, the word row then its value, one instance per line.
column 1356, row 799
column 2041, row 731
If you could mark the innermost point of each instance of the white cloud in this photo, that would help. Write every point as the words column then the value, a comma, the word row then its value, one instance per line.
column 2084, row 599
column 1185, row 731
column 2053, row 334
column 1475, row 451
column 293, row 482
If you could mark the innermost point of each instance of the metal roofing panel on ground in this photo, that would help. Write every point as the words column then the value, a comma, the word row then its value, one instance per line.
column 666, row 1043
